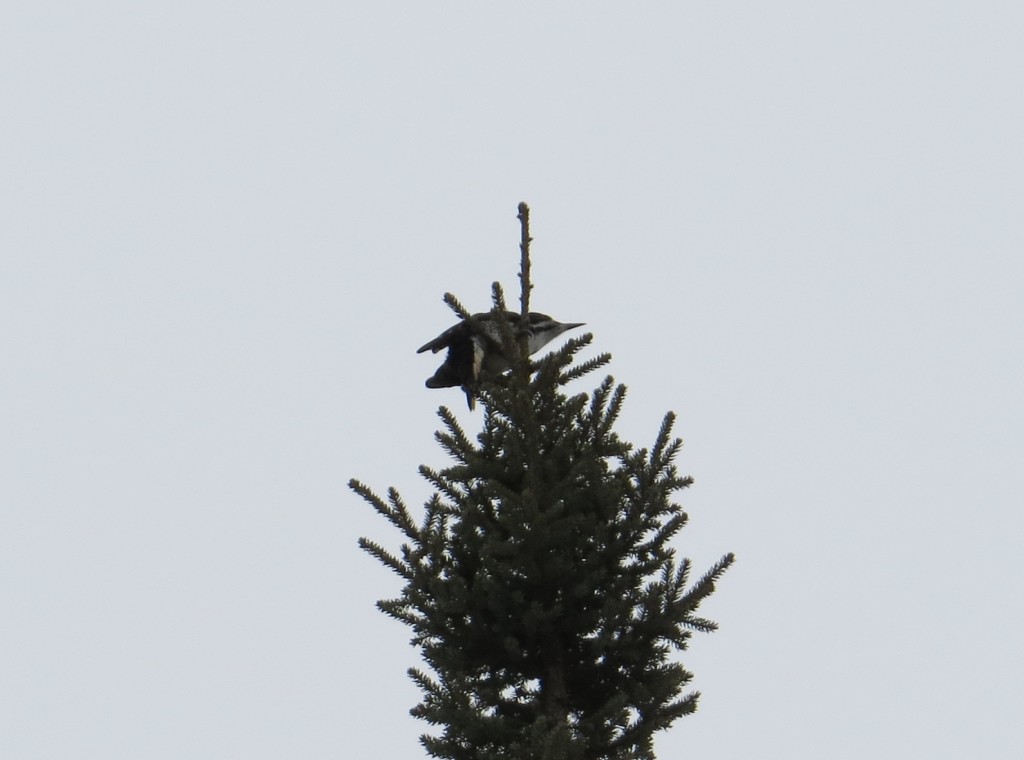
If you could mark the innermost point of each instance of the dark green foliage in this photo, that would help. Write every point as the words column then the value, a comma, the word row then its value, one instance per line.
column 541, row 583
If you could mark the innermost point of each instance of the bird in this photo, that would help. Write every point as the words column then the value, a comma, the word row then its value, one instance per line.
column 475, row 347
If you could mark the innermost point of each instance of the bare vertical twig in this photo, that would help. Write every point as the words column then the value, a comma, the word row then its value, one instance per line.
column 525, row 286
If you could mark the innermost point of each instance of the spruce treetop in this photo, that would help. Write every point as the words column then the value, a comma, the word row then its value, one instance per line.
column 541, row 583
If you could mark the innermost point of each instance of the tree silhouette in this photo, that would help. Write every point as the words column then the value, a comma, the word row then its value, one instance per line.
column 541, row 584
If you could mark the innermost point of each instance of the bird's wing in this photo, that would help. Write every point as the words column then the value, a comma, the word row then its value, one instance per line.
column 441, row 341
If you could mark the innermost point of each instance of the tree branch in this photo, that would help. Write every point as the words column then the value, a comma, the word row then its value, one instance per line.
column 524, row 261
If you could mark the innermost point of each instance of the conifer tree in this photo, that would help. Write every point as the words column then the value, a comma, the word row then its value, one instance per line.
column 541, row 582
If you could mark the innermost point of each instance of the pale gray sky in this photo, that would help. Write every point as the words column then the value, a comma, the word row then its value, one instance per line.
column 226, row 227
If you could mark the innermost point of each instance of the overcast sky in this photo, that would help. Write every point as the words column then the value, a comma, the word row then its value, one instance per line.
column 225, row 228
